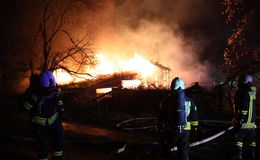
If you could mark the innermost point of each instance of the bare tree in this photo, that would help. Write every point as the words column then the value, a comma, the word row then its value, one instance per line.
column 75, row 54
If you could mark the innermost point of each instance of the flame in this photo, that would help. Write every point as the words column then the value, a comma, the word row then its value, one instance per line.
column 62, row 77
column 131, row 83
column 108, row 66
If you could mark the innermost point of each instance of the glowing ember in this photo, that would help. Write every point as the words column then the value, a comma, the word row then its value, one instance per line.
column 103, row 90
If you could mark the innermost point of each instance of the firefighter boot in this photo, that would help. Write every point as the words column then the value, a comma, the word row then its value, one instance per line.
column 253, row 154
column 238, row 154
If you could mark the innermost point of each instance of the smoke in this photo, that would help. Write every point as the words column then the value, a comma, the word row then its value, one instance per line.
column 170, row 32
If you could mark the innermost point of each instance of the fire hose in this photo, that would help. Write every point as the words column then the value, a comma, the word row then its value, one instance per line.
column 175, row 148
column 119, row 125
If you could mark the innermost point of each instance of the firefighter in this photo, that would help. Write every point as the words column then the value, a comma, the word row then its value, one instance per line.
column 245, row 126
column 44, row 102
column 177, row 117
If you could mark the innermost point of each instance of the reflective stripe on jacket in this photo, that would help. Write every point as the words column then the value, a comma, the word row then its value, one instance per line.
column 44, row 109
column 167, row 112
column 191, row 113
column 29, row 100
column 245, row 102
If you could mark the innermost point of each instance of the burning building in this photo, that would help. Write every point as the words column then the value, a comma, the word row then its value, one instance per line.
column 126, row 73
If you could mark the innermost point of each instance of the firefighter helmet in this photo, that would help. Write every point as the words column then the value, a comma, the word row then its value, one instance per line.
column 47, row 79
column 244, row 79
column 177, row 83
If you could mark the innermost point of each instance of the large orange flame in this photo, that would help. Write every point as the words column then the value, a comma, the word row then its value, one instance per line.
column 136, row 64
column 105, row 66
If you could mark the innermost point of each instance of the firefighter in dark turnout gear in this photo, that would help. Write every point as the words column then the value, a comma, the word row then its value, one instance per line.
column 245, row 126
column 44, row 102
column 177, row 117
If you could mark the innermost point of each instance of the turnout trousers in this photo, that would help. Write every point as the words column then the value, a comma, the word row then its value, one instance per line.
column 50, row 133
column 170, row 139
column 242, row 138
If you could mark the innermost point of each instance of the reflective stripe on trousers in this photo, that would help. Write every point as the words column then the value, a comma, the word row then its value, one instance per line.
column 44, row 121
column 57, row 153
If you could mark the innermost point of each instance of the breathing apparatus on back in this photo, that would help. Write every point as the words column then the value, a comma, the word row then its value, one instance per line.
column 177, row 87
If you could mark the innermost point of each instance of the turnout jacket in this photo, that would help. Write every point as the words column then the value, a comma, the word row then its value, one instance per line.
column 245, row 105
column 44, row 108
column 167, row 113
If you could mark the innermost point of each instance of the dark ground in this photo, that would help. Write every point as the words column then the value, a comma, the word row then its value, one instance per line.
column 93, row 141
